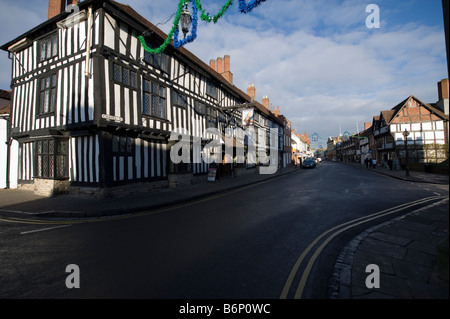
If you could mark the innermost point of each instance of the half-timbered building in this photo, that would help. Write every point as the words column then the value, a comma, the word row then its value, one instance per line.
column 427, row 134
column 92, row 109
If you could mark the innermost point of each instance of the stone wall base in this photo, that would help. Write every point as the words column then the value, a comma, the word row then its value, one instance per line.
column 50, row 187
column 121, row 191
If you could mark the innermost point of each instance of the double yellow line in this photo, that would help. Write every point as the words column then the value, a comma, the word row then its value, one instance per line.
column 333, row 233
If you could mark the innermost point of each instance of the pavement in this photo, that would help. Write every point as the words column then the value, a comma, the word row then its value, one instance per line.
column 411, row 251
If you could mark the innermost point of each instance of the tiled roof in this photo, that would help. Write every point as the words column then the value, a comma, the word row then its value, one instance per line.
column 5, row 110
column 387, row 115
column 5, row 94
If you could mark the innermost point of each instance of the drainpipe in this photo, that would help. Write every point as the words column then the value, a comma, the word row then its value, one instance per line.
column 6, row 117
column 88, row 42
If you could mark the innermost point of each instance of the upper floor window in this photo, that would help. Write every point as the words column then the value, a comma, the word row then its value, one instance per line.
column 154, row 99
column 124, row 75
column 159, row 61
column 48, row 47
column 211, row 90
column 200, row 108
column 179, row 99
column 47, row 96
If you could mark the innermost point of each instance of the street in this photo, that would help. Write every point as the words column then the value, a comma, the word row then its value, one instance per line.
column 252, row 242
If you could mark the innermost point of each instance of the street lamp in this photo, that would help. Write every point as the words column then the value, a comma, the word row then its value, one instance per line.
column 185, row 20
column 405, row 136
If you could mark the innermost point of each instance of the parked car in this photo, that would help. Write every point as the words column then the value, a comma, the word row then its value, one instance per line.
column 309, row 163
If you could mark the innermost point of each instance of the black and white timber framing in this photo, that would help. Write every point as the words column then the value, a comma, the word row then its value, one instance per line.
column 100, row 130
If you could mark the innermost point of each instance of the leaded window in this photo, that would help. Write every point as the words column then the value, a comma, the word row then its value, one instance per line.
column 179, row 99
column 122, row 145
column 159, row 61
column 154, row 99
column 47, row 96
column 48, row 47
column 51, row 158
column 124, row 75
column 211, row 90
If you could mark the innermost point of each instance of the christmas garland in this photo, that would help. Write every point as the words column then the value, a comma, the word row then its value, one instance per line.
column 204, row 16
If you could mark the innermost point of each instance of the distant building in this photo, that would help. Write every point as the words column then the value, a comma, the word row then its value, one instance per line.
column 426, row 127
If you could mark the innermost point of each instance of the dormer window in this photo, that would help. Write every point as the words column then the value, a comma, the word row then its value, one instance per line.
column 48, row 47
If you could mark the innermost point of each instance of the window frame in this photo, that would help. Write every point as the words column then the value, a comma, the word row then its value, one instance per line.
column 149, row 59
column 52, row 100
column 123, row 141
column 152, row 95
column 175, row 98
column 128, row 71
column 46, row 40
column 51, row 156
column 211, row 89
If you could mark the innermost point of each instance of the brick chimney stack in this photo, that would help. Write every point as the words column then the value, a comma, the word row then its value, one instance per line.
column 265, row 102
column 222, row 66
column 367, row 125
column 277, row 111
column 212, row 64
column 56, row 7
column 251, row 91
column 443, row 89
column 443, row 95
column 227, row 69
column 219, row 65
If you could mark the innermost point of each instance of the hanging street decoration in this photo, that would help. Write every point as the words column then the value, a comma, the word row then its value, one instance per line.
column 183, row 16
column 346, row 136
column 315, row 137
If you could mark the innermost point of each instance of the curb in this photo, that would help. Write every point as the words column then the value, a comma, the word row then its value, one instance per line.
column 398, row 177
column 119, row 212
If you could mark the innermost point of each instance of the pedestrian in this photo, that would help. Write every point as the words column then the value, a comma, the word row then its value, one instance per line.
column 389, row 162
column 366, row 161
column 374, row 163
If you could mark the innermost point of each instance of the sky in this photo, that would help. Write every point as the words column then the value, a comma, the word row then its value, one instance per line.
column 315, row 60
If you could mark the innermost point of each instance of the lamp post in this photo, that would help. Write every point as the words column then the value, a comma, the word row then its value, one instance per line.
column 405, row 136
column 185, row 20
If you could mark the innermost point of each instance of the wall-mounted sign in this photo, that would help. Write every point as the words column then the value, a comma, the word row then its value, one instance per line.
column 112, row 118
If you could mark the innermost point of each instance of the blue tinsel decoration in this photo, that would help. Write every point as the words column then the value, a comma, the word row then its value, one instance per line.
column 246, row 8
column 179, row 43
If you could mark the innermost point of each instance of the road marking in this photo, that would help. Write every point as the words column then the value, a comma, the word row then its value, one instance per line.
column 45, row 229
column 350, row 224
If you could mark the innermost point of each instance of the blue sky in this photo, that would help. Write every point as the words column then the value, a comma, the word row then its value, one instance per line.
column 316, row 60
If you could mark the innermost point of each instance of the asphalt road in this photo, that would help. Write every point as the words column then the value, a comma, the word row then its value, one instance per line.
column 254, row 242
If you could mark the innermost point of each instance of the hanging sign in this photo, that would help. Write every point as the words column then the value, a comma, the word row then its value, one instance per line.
column 247, row 117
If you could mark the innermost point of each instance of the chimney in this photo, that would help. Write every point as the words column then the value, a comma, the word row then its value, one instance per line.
column 226, row 69
column 219, row 65
column 277, row 111
column 265, row 101
column 251, row 91
column 443, row 95
column 212, row 64
column 56, row 7
column 367, row 125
